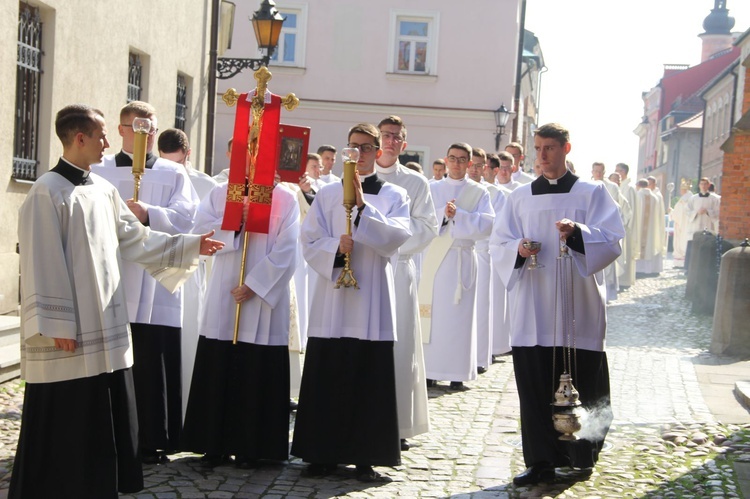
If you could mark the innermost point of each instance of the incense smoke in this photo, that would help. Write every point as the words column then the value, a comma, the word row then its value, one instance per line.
column 595, row 420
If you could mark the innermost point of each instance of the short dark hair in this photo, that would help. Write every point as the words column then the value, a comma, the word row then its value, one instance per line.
column 461, row 146
column 366, row 129
column 394, row 120
column 554, row 131
column 313, row 156
column 173, row 140
column 74, row 119
column 478, row 151
column 642, row 183
column 413, row 165
column 326, row 148
column 623, row 166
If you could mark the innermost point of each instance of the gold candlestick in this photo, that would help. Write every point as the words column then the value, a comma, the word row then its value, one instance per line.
column 351, row 155
column 141, row 127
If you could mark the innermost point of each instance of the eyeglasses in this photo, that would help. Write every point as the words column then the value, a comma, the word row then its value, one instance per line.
column 398, row 139
column 456, row 159
column 365, row 148
column 129, row 126
column 477, row 165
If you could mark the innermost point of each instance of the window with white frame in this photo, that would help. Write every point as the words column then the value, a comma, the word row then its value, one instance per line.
column 413, row 42
column 291, row 48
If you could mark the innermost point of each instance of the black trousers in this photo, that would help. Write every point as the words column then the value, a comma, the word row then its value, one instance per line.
column 79, row 439
column 157, row 373
column 536, row 385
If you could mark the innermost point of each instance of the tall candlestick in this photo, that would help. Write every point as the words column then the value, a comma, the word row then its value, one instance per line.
column 351, row 155
column 141, row 127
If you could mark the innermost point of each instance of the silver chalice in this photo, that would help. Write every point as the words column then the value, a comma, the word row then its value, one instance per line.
column 531, row 246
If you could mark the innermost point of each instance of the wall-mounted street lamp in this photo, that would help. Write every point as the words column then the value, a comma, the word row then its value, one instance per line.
column 501, row 119
column 267, row 22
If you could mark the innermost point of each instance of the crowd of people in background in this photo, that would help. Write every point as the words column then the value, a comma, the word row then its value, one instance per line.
column 128, row 332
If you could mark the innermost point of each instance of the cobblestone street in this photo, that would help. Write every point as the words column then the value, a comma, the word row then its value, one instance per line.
column 666, row 439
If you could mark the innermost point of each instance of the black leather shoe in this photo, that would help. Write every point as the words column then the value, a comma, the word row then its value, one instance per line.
column 211, row 461
column 292, row 405
column 536, row 473
column 431, row 383
column 457, row 385
column 368, row 475
column 317, row 470
column 154, row 457
column 481, row 370
column 405, row 445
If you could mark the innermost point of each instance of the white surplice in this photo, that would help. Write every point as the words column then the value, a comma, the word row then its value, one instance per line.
column 500, row 318
column 681, row 227
column 532, row 292
column 73, row 243
column 631, row 242
column 367, row 313
column 614, row 269
column 652, row 245
column 194, row 292
column 172, row 201
column 485, row 302
column 451, row 353
column 703, row 221
column 411, row 389
column 269, row 265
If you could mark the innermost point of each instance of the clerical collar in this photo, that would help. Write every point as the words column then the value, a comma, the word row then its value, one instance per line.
column 124, row 158
column 562, row 185
column 71, row 173
column 455, row 181
column 371, row 183
column 701, row 194
column 387, row 169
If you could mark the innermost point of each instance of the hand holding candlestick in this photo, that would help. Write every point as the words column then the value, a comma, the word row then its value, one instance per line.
column 141, row 127
column 351, row 156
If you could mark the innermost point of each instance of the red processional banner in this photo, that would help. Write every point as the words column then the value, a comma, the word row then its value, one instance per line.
column 254, row 181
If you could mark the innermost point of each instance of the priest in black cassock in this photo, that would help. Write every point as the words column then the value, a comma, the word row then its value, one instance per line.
column 347, row 403
column 557, row 208
column 79, row 430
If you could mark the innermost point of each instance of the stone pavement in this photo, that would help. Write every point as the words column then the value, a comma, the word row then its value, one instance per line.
column 679, row 430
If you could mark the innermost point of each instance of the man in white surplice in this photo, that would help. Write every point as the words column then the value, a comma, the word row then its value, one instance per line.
column 557, row 207
column 173, row 144
column 167, row 202
column 679, row 215
column 703, row 210
column 631, row 242
column 74, row 231
column 652, row 246
column 411, row 390
column 447, row 289
column 349, row 364
column 484, row 303
column 611, row 272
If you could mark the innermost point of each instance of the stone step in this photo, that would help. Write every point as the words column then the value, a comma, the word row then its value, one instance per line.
column 10, row 349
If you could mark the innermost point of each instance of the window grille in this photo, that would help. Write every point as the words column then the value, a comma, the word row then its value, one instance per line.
column 180, row 114
column 134, row 77
column 28, row 83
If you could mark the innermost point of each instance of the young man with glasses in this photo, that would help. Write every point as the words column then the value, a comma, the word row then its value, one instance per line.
column 413, row 416
column 504, row 176
column 347, row 405
column 167, row 202
column 447, row 288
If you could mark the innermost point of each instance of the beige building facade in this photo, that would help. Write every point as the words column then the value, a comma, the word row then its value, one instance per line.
column 59, row 52
column 440, row 65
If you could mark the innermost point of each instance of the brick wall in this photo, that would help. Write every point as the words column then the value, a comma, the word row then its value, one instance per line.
column 734, row 219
